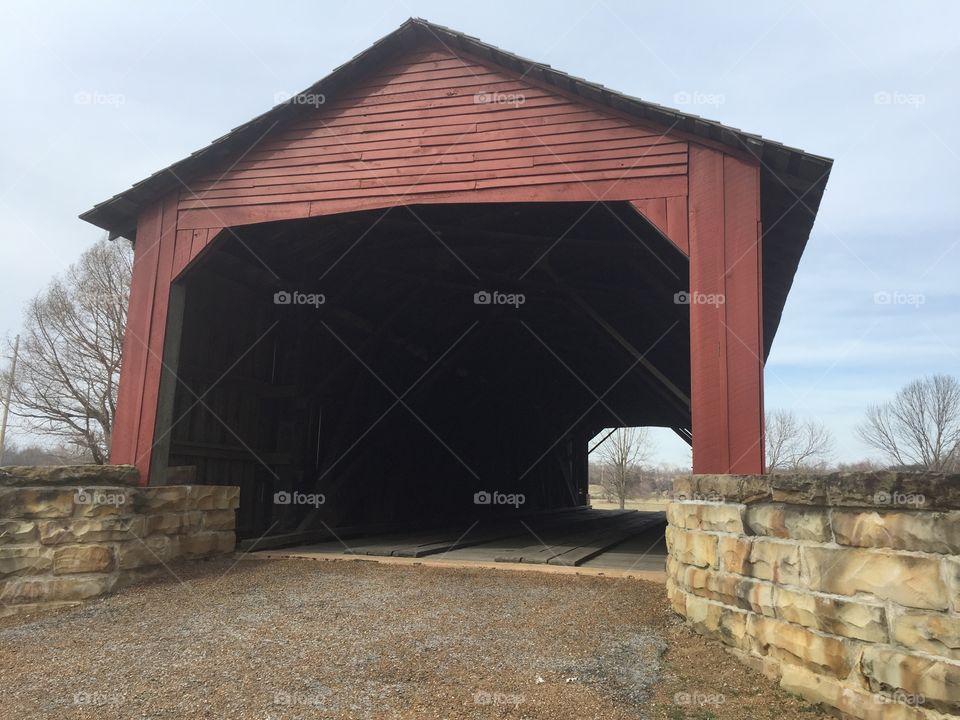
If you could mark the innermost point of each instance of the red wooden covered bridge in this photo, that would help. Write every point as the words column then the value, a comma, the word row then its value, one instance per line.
column 441, row 270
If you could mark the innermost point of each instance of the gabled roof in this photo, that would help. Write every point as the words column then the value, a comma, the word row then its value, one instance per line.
column 118, row 214
column 792, row 181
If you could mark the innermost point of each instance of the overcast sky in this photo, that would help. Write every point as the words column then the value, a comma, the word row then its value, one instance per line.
column 96, row 96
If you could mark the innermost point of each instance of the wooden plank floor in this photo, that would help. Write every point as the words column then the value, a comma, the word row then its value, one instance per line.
column 615, row 539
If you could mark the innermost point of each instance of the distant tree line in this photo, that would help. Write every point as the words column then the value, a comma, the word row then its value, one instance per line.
column 34, row 454
column 641, row 482
column 918, row 430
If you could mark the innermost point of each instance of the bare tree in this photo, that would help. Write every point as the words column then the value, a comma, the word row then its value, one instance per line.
column 66, row 380
column 794, row 444
column 622, row 452
column 920, row 427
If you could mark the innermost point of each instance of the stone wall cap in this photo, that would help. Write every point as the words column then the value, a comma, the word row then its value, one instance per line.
column 886, row 490
column 69, row 475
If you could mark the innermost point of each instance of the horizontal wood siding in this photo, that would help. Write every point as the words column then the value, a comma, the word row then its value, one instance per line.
column 435, row 127
column 421, row 131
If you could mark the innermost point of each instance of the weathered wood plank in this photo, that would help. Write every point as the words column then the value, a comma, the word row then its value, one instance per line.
column 744, row 317
column 708, row 338
column 726, row 333
column 158, row 326
column 677, row 223
column 507, row 168
column 570, row 191
column 135, row 340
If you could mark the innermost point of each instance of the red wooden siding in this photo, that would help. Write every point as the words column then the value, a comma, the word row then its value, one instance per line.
column 726, row 340
column 669, row 214
column 123, row 447
column 655, row 210
column 416, row 133
column 143, row 339
column 189, row 244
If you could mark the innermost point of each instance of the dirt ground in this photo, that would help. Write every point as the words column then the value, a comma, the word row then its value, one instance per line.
column 600, row 501
column 630, row 504
column 288, row 639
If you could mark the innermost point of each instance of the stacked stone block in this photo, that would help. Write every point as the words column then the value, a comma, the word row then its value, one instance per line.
column 844, row 587
column 70, row 533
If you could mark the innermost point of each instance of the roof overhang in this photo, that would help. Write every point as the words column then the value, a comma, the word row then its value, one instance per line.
column 792, row 181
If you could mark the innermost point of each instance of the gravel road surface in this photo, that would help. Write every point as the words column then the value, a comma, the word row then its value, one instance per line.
column 290, row 639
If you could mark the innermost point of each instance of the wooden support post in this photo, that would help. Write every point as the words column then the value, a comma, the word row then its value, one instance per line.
column 123, row 449
column 168, row 386
column 726, row 336
column 143, row 340
column 581, row 465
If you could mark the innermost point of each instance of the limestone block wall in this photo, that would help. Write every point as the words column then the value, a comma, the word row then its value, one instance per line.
column 70, row 533
column 844, row 587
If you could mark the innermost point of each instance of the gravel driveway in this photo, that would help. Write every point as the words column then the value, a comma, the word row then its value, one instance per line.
column 287, row 639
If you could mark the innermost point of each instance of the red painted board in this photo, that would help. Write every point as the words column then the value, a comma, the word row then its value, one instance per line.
column 677, row 222
column 708, row 351
column 743, row 315
column 130, row 392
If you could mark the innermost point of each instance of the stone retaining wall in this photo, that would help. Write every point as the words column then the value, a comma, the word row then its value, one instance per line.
column 71, row 533
column 846, row 587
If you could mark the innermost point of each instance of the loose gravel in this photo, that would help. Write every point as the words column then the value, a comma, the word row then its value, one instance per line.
column 291, row 639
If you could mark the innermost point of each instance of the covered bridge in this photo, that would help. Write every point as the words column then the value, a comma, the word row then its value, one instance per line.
column 440, row 271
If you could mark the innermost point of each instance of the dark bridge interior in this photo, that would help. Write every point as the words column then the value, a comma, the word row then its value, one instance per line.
column 399, row 362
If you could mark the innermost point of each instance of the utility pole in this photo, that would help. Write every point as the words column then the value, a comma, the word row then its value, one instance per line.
column 6, row 401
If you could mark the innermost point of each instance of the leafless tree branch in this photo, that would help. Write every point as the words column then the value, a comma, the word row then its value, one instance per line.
column 623, row 451
column 794, row 444
column 920, row 427
column 70, row 348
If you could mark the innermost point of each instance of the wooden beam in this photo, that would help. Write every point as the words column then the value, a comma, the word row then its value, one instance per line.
column 144, row 337
column 570, row 190
column 726, row 335
column 664, row 382
column 167, row 391
column 123, row 449
column 744, row 314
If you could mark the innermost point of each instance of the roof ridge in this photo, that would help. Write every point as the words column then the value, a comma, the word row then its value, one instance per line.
column 118, row 214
